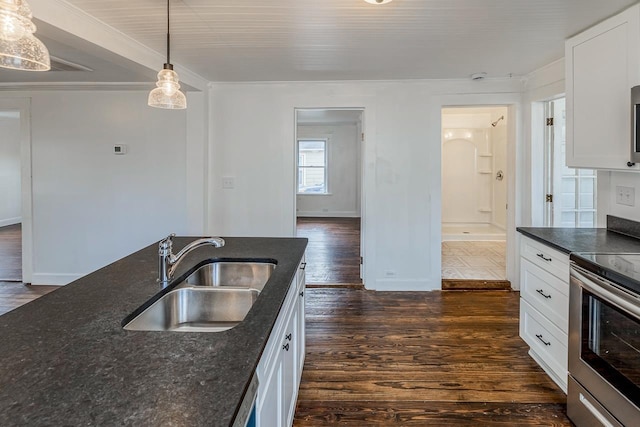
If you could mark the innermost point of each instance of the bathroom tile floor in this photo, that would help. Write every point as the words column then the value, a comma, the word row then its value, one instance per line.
column 474, row 260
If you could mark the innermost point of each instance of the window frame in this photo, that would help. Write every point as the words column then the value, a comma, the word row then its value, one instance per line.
column 325, row 141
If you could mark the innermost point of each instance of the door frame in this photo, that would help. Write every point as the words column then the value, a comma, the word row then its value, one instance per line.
column 360, row 190
column 515, row 153
column 23, row 106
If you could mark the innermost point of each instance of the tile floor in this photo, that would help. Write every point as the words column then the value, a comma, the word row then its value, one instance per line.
column 474, row 260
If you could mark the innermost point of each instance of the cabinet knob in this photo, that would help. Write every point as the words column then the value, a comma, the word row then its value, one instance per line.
column 630, row 164
column 303, row 266
column 302, row 293
column 288, row 337
column 285, row 347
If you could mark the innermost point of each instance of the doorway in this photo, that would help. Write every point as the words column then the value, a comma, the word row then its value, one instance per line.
column 11, row 197
column 570, row 194
column 474, row 194
column 328, row 194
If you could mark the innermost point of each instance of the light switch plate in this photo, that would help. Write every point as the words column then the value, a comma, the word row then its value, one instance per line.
column 228, row 182
column 625, row 196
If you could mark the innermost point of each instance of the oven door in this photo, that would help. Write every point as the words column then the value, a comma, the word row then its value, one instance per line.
column 604, row 343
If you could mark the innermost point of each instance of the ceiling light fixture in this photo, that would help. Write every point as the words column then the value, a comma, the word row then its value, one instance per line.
column 378, row 1
column 19, row 48
column 167, row 95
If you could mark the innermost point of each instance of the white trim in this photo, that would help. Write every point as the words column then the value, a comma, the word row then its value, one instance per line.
column 72, row 19
column 54, row 279
column 516, row 163
column 10, row 221
column 7, row 87
column 23, row 105
column 330, row 214
column 391, row 285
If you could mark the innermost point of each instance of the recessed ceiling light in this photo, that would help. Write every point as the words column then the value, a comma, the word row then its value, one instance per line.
column 378, row 1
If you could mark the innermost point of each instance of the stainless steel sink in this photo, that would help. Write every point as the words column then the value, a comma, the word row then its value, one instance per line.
column 196, row 309
column 252, row 275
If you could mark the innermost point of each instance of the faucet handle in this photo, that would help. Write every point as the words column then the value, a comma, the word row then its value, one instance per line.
column 166, row 244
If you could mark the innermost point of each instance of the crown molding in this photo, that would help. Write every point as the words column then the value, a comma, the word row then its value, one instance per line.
column 69, row 18
column 52, row 86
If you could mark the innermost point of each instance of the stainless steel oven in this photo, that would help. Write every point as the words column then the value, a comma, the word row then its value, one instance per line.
column 604, row 340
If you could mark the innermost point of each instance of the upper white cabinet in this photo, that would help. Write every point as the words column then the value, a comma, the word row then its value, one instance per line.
column 602, row 65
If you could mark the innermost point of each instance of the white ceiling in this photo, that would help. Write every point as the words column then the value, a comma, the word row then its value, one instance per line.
column 301, row 40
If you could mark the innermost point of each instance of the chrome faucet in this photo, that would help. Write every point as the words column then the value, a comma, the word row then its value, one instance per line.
column 169, row 262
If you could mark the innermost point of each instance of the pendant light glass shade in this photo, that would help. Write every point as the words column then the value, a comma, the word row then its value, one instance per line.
column 378, row 1
column 167, row 93
column 19, row 48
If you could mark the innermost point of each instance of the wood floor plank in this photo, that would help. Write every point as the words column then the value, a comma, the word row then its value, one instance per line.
column 11, row 253
column 446, row 358
column 333, row 252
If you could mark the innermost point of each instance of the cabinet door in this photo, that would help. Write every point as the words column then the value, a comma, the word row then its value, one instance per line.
column 602, row 65
column 301, row 324
column 269, row 403
column 289, row 369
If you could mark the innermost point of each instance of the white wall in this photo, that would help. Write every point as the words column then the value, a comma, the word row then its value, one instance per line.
column 401, row 155
column 343, row 168
column 548, row 83
column 91, row 207
column 10, row 198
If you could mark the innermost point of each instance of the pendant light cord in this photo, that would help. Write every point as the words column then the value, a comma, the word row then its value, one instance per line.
column 168, row 36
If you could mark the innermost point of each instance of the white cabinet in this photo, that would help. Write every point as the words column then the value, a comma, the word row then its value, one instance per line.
column 280, row 368
column 544, row 307
column 602, row 65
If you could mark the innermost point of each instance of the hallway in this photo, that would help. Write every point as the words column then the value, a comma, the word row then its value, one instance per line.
column 333, row 253
column 11, row 253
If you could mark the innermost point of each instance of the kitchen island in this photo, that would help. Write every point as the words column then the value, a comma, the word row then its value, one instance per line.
column 66, row 360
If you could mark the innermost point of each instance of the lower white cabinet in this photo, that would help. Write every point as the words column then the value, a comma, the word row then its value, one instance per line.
column 280, row 368
column 544, row 307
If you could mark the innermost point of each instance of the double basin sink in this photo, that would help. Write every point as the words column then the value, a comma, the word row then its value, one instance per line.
column 215, row 297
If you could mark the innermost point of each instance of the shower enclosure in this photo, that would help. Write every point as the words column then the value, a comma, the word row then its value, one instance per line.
column 474, row 169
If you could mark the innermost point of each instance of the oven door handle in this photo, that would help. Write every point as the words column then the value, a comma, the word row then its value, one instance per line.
column 607, row 291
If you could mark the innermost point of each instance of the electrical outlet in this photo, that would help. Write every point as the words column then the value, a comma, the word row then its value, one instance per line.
column 625, row 196
column 228, row 182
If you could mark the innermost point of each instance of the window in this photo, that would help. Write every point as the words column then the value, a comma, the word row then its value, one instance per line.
column 572, row 191
column 312, row 166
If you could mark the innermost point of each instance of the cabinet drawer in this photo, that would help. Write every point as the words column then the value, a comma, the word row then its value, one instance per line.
column 551, row 260
column 301, row 270
column 546, row 340
column 546, row 293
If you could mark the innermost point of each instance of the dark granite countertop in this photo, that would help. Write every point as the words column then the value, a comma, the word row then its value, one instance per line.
column 582, row 239
column 66, row 360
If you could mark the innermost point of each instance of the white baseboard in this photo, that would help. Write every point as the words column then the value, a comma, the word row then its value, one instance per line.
column 10, row 221
column 404, row 285
column 54, row 279
column 321, row 214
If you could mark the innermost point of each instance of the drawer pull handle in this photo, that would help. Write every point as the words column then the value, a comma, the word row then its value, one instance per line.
column 303, row 266
column 544, row 257
column 285, row 347
column 543, row 341
column 541, row 292
column 288, row 337
column 302, row 293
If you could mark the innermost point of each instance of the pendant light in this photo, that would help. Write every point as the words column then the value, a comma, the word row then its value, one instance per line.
column 19, row 48
column 167, row 95
column 378, row 1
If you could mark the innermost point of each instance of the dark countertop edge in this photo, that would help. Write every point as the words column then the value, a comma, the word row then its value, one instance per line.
column 562, row 238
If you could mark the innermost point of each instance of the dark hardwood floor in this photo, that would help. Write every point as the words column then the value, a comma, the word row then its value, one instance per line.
column 448, row 358
column 13, row 295
column 333, row 253
column 11, row 253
